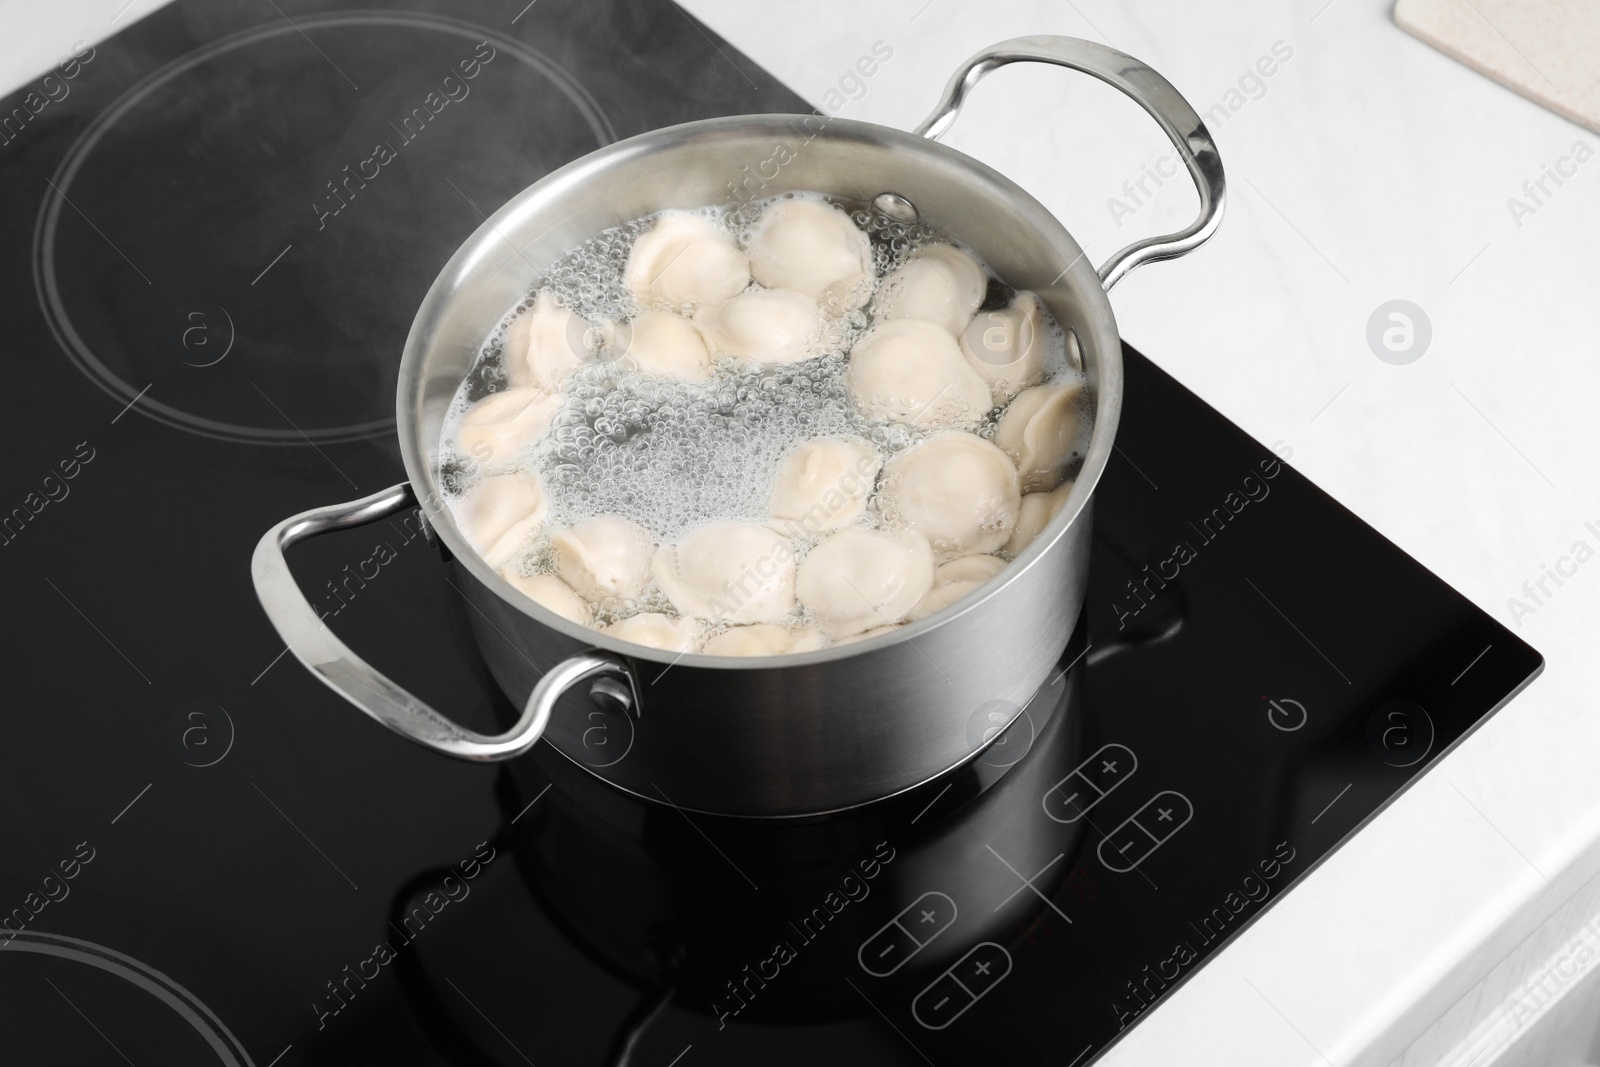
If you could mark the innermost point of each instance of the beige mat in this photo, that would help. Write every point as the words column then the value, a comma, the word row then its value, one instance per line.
column 1547, row 50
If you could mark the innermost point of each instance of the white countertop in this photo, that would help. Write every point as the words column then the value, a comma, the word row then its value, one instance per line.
column 1366, row 168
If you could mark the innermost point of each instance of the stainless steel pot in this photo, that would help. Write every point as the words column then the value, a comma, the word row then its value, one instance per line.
column 779, row 735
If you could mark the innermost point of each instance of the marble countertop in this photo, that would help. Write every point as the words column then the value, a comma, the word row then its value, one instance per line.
column 1364, row 168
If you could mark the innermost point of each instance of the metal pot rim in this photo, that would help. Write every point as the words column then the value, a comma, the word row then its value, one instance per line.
column 1106, row 386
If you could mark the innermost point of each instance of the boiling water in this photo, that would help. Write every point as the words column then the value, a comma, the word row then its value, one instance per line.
column 673, row 454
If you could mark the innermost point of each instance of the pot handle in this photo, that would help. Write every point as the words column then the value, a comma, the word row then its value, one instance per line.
column 347, row 674
column 1147, row 88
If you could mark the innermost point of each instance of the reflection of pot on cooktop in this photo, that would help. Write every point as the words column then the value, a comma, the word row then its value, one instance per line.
column 336, row 201
column 798, row 921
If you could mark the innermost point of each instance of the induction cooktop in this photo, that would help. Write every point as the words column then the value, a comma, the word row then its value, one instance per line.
column 217, row 226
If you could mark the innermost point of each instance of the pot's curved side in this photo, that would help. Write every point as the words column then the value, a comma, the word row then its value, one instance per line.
column 803, row 739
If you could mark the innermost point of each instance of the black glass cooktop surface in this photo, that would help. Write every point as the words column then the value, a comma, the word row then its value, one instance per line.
column 217, row 226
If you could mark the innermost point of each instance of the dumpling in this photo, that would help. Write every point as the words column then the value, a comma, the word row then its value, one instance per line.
column 939, row 598
column 735, row 572
column 936, row 283
column 954, row 580
column 501, row 512
column 813, row 248
column 957, row 490
column 1039, row 431
column 665, row 344
column 666, row 632
column 975, row 568
column 684, row 261
column 823, row 485
column 859, row 579
column 1007, row 347
column 497, row 428
column 544, row 345
column 913, row 371
column 765, row 639
column 553, row 593
column 1036, row 512
column 604, row 559
column 765, row 325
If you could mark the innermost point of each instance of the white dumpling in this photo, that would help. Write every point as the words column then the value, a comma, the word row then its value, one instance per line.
column 957, row 490
column 553, row 593
column 604, row 559
column 736, row 572
column 666, row 632
column 936, row 283
column 1035, row 514
column 813, row 248
column 765, row 639
column 941, row 597
column 824, row 484
column 859, row 579
column 955, row 580
column 501, row 512
column 1039, row 432
column 1007, row 347
column 665, row 344
column 913, row 371
column 496, row 429
column 975, row 568
column 545, row 345
column 765, row 325
column 684, row 261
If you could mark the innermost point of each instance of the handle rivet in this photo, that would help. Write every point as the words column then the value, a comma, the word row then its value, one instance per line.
column 611, row 696
column 895, row 207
